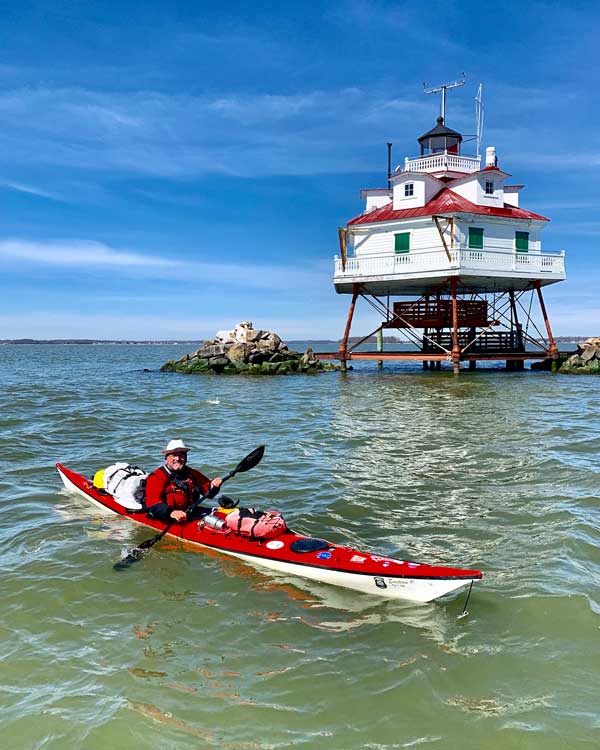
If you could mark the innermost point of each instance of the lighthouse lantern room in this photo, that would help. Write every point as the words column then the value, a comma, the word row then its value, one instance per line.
column 449, row 234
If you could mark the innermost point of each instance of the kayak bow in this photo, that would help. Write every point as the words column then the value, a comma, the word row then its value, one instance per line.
column 334, row 564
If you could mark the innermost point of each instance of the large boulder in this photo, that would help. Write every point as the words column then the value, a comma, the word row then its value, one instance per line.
column 241, row 334
column 308, row 359
column 257, row 357
column 245, row 349
column 270, row 343
column 210, row 349
column 238, row 353
column 586, row 361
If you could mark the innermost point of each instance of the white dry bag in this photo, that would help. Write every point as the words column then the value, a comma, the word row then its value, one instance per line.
column 126, row 483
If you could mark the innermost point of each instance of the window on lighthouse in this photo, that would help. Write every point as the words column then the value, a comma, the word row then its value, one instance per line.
column 475, row 238
column 402, row 242
column 489, row 187
column 522, row 242
column 409, row 189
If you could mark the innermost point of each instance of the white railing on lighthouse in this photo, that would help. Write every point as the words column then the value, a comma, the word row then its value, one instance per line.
column 436, row 162
column 462, row 259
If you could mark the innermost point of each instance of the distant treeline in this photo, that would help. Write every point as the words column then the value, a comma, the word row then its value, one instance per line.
column 310, row 342
column 371, row 339
column 572, row 339
column 94, row 341
column 351, row 340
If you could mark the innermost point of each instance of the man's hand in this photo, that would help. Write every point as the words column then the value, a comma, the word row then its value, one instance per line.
column 178, row 515
column 216, row 483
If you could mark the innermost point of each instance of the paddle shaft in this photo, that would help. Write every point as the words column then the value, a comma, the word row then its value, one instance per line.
column 150, row 542
column 136, row 553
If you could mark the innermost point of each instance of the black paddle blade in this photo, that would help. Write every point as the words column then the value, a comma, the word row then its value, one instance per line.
column 251, row 460
column 136, row 554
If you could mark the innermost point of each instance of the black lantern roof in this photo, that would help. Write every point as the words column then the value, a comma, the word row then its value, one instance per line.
column 440, row 138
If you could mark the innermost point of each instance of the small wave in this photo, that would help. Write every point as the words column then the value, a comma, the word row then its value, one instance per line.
column 494, row 706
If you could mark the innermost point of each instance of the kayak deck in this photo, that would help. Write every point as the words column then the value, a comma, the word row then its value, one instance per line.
column 333, row 564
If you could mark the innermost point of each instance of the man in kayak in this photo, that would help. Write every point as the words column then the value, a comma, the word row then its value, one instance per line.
column 172, row 488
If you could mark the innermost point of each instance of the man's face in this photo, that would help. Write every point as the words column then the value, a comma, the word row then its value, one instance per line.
column 176, row 461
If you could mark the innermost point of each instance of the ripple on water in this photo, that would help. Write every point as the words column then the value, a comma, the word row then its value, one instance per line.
column 485, row 471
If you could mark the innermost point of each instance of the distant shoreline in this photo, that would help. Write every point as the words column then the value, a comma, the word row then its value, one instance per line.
column 194, row 342
column 95, row 341
column 129, row 342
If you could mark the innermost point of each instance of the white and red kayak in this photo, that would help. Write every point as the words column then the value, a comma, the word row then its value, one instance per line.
column 324, row 562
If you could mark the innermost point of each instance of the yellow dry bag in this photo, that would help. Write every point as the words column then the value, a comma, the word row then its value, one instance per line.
column 99, row 479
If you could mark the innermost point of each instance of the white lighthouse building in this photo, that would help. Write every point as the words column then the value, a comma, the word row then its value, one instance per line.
column 449, row 233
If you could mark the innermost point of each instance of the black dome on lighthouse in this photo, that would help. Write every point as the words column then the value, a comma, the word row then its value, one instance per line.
column 439, row 139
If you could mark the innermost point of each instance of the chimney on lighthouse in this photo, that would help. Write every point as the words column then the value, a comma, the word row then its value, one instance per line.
column 491, row 160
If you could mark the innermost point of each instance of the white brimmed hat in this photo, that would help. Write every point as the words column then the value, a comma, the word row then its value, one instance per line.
column 175, row 446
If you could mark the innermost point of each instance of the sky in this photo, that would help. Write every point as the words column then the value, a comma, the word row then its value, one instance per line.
column 169, row 169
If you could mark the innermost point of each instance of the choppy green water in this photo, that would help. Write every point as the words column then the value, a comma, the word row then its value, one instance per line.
column 491, row 470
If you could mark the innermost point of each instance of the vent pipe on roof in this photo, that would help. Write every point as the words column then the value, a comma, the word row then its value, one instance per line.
column 491, row 160
column 389, row 148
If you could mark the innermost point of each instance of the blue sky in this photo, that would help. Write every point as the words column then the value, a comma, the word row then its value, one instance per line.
column 168, row 169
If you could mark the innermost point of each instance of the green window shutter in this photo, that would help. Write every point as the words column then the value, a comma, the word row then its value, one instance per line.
column 522, row 242
column 476, row 238
column 402, row 242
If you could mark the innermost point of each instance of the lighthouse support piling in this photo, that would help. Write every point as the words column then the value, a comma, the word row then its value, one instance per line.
column 553, row 349
column 344, row 345
column 455, row 345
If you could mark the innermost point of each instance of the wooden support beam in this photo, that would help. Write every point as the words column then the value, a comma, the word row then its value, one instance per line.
column 343, row 237
column 441, row 233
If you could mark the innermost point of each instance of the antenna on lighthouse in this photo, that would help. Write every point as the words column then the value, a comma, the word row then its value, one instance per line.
column 443, row 88
column 479, row 117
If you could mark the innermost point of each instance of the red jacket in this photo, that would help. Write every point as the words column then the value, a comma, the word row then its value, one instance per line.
column 164, row 493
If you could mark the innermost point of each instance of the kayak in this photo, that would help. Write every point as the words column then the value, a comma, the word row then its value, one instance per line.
column 298, row 555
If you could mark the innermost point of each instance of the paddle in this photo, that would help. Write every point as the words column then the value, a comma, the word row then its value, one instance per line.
column 247, row 463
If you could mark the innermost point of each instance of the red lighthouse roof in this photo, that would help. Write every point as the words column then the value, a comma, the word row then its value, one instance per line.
column 445, row 202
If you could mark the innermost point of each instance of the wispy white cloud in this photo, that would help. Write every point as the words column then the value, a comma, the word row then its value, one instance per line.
column 405, row 19
column 177, row 135
column 251, row 134
column 29, row 189
column 77, row 253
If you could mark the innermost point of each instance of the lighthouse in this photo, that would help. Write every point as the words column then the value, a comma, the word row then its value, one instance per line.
column 447, row 256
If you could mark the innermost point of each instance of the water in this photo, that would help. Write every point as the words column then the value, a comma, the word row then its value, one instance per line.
column 490, row 470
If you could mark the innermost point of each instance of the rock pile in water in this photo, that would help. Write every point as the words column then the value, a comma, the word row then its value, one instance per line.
column 586, row 360
column 247, row 350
